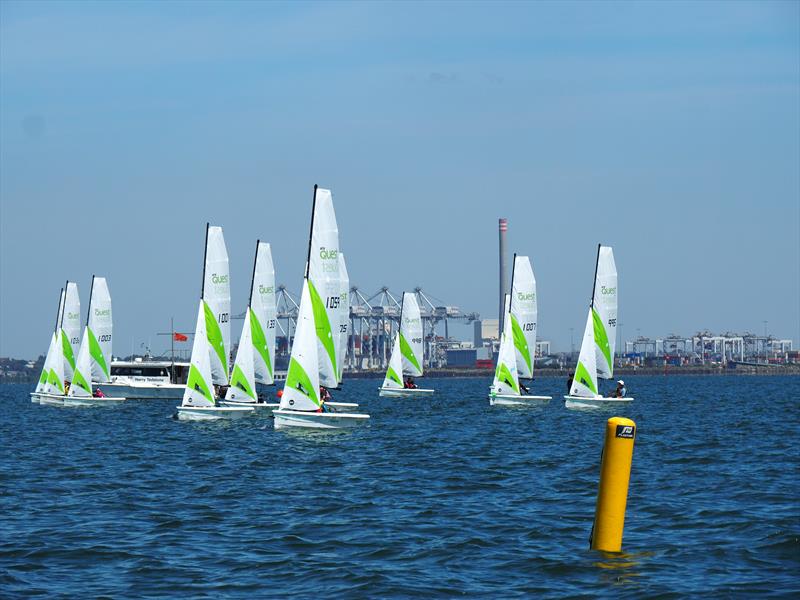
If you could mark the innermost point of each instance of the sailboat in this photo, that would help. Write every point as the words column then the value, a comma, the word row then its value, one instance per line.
column 42, row 384
column 599, row 338
column 65, row 348
column 94, row 354
column 521, row 324
column 212, row 335
column 315, row 356
column 255, row 355
column 406, row 352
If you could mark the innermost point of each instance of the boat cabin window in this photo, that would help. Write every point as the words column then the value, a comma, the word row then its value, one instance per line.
column 140, row 371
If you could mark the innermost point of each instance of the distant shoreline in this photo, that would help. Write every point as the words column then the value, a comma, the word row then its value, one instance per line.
column 793, row 369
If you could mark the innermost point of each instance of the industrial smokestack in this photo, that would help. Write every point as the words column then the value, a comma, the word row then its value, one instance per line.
column 503, row 271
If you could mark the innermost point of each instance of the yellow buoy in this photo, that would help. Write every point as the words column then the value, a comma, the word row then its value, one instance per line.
column 612, row 494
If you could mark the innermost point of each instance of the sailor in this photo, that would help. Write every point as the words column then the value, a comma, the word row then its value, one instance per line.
column 98, row 393
column 522, row 387
column 569, row 382
column 620, row 391
column 324, row 396
column 409, row 384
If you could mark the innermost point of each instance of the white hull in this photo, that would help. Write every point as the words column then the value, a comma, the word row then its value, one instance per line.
column 317, row 420
column 92, row 401
column 253, row 405
column 35, row 397
column 596, row 402
column 144, row 390
column 209, row 413
column 341, row 406
column 513, row 400
column 49, row 399
column 404, row 392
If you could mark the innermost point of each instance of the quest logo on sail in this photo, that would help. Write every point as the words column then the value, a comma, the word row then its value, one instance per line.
column 218, row 279
column 607, row 290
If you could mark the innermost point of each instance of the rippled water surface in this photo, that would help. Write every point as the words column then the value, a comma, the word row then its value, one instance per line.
column 437, row 497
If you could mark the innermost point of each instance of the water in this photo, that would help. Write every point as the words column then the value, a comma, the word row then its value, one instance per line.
column 437, row 497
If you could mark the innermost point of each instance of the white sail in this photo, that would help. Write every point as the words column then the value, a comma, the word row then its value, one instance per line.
column 394, row 379
column 524, row 313
column 243, row 381
column 343, row 327
column 584, row 381
column 411, row 335
column 217, row 304
column 100, row 330
column 71, row 328
column 323, row 284
column 81, row 385
column 42, row 383
column 301, row 390
column 54, row 338
column 604, row 312
column 506, row 378
column 199, row 386
column 263, row 315
column 55, row 367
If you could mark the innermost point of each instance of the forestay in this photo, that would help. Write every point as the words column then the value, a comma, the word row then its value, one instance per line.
column 344, row 315
column 393, row 380
column 263, row 315
column 411, row 335
column 81, row 386
column 323, row 284
column 199, row 389
column 301, row 390
column 217, row 304
column 243, row 384
column 70, row 328
column 506, row 379
column 99, row 330
column 524, row 313
column 604, row 313
column 584, row 381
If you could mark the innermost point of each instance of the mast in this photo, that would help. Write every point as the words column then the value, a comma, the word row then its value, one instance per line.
column 594, row 282
column 61, row 298
column 253, row 278
column 205, row 255
column 311, row 230
column 89, row 309
column 66, row 289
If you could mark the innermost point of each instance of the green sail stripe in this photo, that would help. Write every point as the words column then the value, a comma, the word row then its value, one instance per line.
column 260, row 340
column 97, row 353
column 323, row 326
column 390, row 374
column 239, row 380
column 43, row 377
column 79, row 379
column 521, row 342
column 582, row 376
column 298, row 379
column 55, row 380
column 408, row 353
column 504, row 375
column 601, row 339
column 214, row 336
column 67, row 349
column 196, row 382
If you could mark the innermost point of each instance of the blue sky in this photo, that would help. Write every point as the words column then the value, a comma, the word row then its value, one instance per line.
column 669, row 130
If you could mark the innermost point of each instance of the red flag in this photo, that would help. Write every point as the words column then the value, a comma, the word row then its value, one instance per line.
column 179, row 337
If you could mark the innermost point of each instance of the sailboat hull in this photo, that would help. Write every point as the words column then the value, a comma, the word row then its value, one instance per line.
column 253, row 405
column 404, row 392
column 314, row 420
column 92, row 401
column 211, row 413
column 512, row 400
column 596, row 402
column 49, row 399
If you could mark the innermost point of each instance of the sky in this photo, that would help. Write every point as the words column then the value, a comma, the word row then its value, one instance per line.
column 670, row 131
